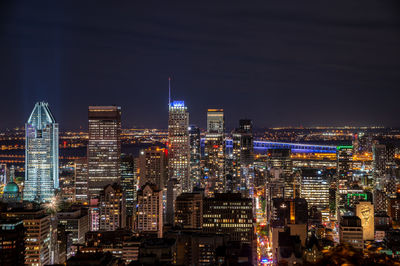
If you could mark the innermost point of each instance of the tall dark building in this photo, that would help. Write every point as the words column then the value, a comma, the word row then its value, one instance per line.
column 195, row 155
column 242, row 155
column 104, row 147
column 128, row 184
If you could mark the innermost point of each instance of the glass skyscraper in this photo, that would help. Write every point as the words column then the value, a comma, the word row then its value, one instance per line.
column 41, row 155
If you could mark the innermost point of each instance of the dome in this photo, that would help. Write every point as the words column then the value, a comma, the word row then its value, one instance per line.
column 11, row 188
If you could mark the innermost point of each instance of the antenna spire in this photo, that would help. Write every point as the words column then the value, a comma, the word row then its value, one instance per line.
column 169, row 92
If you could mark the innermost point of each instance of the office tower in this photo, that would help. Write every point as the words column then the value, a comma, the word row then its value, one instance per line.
column 231, row 214
column 104, row 147
column 195, row 155
column 112, row 208
column 81, row 180
column 41, row 155
column 214, row 151
column 242, row 154
column 351, row 232
column 246, row 141
column 153, row 165
column 365, row 211
column 75, row 222
column 178, row 145
column 128, row 184
column 344, row 174
column 314, row 188
column 189, row 210
column 149, row 217
column 12, row 245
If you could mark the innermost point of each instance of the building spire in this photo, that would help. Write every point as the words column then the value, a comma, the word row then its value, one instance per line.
column 169, row 92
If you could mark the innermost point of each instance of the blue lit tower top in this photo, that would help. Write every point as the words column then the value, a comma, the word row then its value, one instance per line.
column 41, row 154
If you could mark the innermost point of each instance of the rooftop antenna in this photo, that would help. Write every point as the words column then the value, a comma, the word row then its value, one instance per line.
column 169, row 92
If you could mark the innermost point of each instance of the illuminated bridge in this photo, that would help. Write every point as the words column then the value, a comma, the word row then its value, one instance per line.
column 263, row 146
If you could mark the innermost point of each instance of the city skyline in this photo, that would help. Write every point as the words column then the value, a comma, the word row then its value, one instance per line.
column 266, row 62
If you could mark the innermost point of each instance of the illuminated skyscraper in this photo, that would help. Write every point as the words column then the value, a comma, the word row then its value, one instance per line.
column 104, row 148
column 214, row 151
column 41, row 155
column 178, row 141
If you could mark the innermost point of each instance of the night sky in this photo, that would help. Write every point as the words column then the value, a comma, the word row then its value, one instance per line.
column 279, row 63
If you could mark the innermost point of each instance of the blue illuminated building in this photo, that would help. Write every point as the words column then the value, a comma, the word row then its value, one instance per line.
column 41, row 155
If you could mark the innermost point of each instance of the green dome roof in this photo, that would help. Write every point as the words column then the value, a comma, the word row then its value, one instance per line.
column 11, row 188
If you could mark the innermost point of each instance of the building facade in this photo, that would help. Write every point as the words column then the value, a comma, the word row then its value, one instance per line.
column 41, row 155
column 214, row 152
column 149, row 216
column 153, row 165
column 112, row 208
column 104, row 147
column 178, row 145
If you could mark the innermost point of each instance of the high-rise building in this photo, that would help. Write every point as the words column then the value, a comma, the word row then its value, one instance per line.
column 231, row 214
column 41, row 155
column 104, row 147
column 314, row 188
column 149, row 217
column 112, row 208
column 153, row 165
column 243, row 157
column 214, row 151
column 344, row 177
column 81, row 181
column 195, row 155
column 189, row 210
column 128, row 184
column 178, row 145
